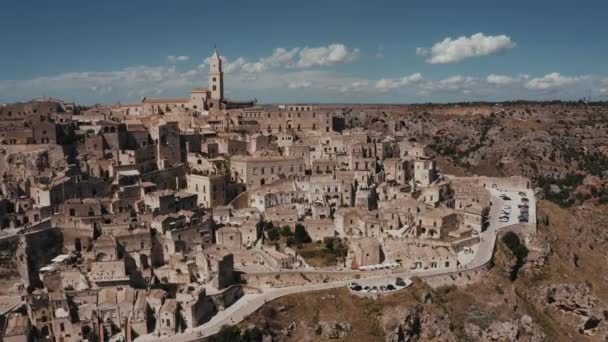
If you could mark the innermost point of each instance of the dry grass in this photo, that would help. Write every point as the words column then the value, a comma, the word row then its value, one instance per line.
column 523, row 124
column 570, row 231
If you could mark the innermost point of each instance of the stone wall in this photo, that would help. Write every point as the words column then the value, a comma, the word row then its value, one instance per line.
column 506, row 183
column 458, row 278
column 227, row 297
column 286, row 279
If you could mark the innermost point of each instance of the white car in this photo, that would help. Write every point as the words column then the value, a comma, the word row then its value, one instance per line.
column 503, row 219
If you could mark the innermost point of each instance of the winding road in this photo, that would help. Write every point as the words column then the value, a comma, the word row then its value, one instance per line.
column 249, row 303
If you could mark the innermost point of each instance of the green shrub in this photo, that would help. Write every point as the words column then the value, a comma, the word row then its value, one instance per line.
column 519, row 250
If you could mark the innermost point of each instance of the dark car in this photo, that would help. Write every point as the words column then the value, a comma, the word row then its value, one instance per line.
column 400, row 282
column 390, row 287
column 357, row 288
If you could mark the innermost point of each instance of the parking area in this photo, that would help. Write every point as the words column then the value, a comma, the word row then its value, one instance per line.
column 511, row 207
column 379, row 286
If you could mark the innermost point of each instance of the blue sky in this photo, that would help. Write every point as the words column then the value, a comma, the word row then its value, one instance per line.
column 329, row 51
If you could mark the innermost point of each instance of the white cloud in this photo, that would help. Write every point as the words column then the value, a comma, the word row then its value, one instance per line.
column 455, row 83
column 466, row 85
column 278, row 76
column 175, row 59
column 500, row 80
column 552, row 81
column 93, row 87
column 386, row 84
column 455, row 50
column 281, row 57
column 299, row 84
column 326, row 55
column 352, row 87
column 291, row 58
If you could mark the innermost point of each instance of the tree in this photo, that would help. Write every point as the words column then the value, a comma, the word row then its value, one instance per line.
column 301, row 236
column 227, row 334
column 286, row 231
column 519, row 250
column 328, row 242
column 273, row 234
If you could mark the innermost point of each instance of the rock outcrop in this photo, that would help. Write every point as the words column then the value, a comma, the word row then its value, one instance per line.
column 523, row 329
column 414, row 324
column 579, row 301
column 504, row 260
column 333, row 329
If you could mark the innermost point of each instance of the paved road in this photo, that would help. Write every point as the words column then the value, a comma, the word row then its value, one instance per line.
column 249, row 303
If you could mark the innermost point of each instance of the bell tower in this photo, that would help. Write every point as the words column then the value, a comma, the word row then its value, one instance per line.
column 216, row 77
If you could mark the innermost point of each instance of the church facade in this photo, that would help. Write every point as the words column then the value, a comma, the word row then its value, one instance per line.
column 202, row 100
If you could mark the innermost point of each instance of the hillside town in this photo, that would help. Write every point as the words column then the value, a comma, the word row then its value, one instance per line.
column 175, row 217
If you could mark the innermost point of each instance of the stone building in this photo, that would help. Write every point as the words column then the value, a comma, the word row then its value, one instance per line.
column 424, row 172
column 201, row 100
column 261, row 169
column 211, row 190
column 437, row 223
column 364, row 252
column 168, row 322
column 319, row 229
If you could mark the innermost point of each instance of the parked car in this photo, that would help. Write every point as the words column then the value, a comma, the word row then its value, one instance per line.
column 525, row 200
column 521, row 193
column 503, row 219
column 390, row 287
column 357, row 288
column 400, row 282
